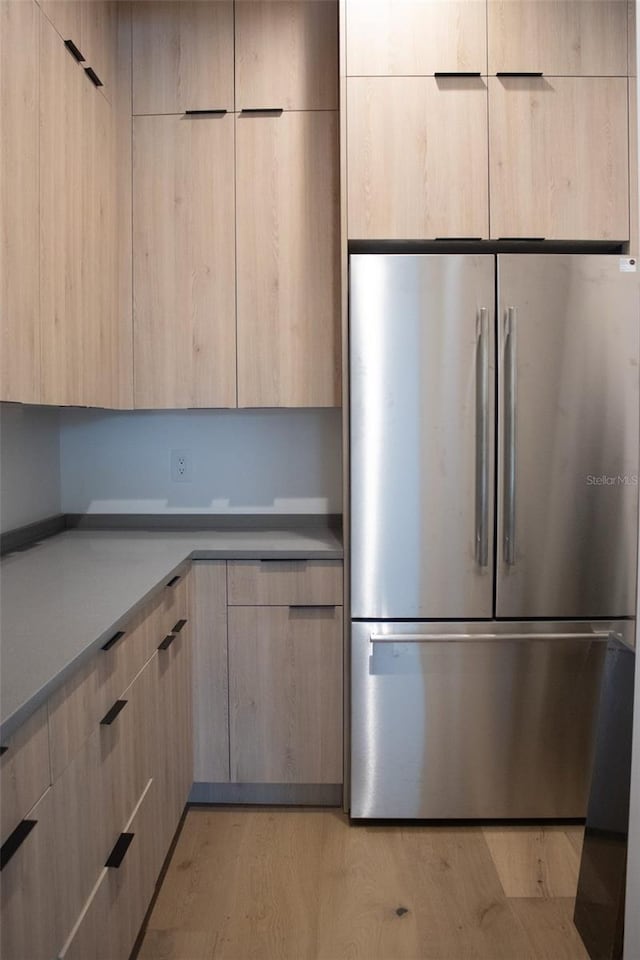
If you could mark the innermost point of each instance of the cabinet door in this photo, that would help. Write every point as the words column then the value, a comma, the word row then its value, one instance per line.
column 558, row 37
column 415, row 37
column 286, row 54
column 19, row 202
column 63, row 92
column 24, row 770
column 184, row 262
column 285, row 694
column 30, row 923
column 559, row 158
column 288, row 260
column 182, row 56
column 417, row 158
column 208, row 583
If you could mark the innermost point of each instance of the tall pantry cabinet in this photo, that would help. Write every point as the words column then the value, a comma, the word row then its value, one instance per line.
column 235, row 203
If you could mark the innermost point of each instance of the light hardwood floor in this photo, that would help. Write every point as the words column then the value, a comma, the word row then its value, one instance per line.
column 273, row 883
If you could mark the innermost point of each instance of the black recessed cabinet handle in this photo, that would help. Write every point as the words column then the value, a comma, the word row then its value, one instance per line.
column 3, row 750
column 522, row 239
column 457, row 73
column 113, row 640
column 73, row 50
column 15, row 840
column 519, row 73
column 457, row 239
column 179, row 626
column 120, row 848
column 166, row 643
column 173, row 581
column 111, row 714
column 93, row 76
column 215, row 112
column 264, row 110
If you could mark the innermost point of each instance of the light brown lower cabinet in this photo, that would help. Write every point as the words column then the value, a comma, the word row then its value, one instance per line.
column 208, row 582
column 559, row 158
column 285, row 694
column 417, row 158
column 31, row 925
column 109, row 923
column 24, row 770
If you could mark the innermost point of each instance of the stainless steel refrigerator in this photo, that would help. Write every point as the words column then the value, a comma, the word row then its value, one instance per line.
column 494, row 461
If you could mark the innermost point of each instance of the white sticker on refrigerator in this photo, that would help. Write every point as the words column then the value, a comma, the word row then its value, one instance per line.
column 628, row 264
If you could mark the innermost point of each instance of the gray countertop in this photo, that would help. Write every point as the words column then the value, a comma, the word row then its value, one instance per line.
column 62, row 598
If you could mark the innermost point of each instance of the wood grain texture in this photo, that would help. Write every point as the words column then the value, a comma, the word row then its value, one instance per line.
column 534, row 861
column 279, row 884
column 286, row 54
column 182, row 56
column 281, row 582
column 559, row 158
column 122, row 107
column 415, row 37
column 99, row 40
column 24, row 771
column 558, row 37
column 208, row 583
column 417, row 158
column 30, row 926
column 184, row 262
column 66, row 17
column 288, row 270
column 19, row 201
column 108, row 925
column 63, row 100
column 285, row 694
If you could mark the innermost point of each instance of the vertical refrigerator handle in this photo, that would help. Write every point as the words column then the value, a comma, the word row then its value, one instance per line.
column 510, row 409
column 482, row 439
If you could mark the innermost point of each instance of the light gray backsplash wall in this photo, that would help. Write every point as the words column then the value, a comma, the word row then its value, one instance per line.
column 29, row 464
column 243, row 461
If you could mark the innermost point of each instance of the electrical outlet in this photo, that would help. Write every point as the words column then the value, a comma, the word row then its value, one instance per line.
column 181, row 466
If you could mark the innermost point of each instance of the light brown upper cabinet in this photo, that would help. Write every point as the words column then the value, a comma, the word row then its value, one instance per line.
column 19, row 201
column 559, row 158
column 417, row 158
column 182, row 56
column 184, row 261
column 288, row 259
column 286, row 54
column 415, row 37
column 63, row 102
column 558, row 37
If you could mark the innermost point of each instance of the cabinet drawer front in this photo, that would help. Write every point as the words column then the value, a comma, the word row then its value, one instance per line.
column 284, row 582
column 24, row 770
column 30, row 924
column 285, row 694
column 107, row 927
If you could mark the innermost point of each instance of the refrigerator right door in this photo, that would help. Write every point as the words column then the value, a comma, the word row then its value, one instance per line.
column 568, row 351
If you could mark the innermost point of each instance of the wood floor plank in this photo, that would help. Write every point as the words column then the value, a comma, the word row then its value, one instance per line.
column 549, row 927
column 291, row 884
column 534, row 861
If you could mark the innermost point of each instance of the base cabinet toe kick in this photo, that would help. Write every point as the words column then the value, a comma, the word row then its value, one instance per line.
column 226, row 688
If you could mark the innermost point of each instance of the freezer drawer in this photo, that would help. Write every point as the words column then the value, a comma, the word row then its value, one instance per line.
column 474, row 720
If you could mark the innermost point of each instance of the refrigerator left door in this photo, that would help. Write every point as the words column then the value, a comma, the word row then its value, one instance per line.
column 422, row 394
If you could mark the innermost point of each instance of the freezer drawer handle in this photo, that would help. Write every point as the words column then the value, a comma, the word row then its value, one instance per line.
column 510, row 408
column 440, row 637
column 482, row 440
